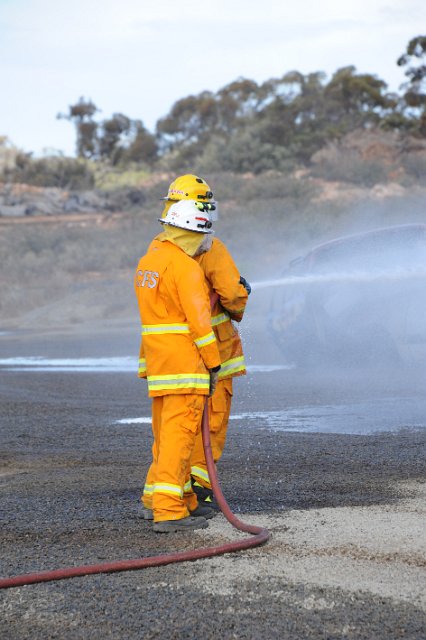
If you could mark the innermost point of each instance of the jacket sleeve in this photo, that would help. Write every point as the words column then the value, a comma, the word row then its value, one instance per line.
column 224, row 277
column 194, row 299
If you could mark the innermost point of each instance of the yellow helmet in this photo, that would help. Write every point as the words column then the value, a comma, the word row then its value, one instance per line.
column 190, row 187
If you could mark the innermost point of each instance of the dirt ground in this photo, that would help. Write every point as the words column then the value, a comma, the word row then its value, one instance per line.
column 347, row 553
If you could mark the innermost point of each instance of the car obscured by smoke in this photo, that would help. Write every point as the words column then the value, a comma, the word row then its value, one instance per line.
column 359, row 300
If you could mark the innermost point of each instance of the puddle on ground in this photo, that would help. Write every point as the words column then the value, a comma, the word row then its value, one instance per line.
column 73, row 365
column 366, row 418
column 122, row 364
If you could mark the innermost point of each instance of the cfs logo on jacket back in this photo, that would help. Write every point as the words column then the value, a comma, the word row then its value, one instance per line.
column 148, row 278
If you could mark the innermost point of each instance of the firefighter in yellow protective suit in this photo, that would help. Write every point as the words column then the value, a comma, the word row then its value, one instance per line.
column 179, row 358
column 228, row 292
column 229, row 296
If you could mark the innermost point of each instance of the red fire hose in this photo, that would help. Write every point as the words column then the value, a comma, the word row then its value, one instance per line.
column 260, row 536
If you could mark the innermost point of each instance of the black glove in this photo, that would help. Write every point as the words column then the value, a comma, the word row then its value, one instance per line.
column 245, row 284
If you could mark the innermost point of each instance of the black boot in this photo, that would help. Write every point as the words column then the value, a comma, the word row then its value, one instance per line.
column 205, row 496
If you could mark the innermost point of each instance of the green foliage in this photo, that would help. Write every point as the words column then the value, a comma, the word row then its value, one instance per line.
column 250, row 127
column 244, row 152
column 108, row 178
column 64, row 173
column 113, row 130
column 414, row 61
column 416, row 51
column 81, row 113
column 195, row 120
column 142, row 148
column 114, row 139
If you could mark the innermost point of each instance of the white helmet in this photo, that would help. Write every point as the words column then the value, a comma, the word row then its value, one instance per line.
column 190, row 215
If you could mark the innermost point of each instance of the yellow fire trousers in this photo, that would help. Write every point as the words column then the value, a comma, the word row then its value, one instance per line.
column 176, row 421
column 219, row 410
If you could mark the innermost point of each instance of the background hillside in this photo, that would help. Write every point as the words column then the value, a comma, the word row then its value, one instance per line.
column 71, row 260
column 292, row 162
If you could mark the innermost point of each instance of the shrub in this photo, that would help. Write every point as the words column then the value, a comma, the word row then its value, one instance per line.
column 415, row 165
column 109, row 178
column 245, row 152
column 65, row 173
column 351, row 167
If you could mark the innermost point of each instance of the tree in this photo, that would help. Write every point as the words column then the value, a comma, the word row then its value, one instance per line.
column 414, row 60
column 239, row 102
column 143, row 147
column 196, row 120
column 355, row 100
column 81, row 114
column 112, row 136
column 293, row 119
column 115, row 139
column 189, row 122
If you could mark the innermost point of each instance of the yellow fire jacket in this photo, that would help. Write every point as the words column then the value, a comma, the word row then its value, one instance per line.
column 223, row 278
column 178, row 345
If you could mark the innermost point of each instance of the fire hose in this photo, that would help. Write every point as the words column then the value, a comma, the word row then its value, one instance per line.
column 259, row 536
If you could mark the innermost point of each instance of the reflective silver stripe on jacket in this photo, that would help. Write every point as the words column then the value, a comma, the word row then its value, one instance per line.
column 179, row 381
column 159, row 329
column 234, row 365
column 222, row 317
column 205, row 340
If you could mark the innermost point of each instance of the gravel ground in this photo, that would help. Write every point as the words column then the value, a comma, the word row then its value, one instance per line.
column 346, row 512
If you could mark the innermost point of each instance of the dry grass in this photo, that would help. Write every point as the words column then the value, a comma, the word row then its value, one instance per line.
column 265, row 220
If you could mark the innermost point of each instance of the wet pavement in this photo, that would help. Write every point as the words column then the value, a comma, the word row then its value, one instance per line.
column 363, row 418
column 299, row 445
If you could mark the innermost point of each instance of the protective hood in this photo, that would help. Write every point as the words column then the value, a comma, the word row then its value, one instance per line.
column 188, row 241
column 166, row 208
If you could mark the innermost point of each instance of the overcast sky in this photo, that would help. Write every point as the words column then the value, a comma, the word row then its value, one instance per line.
column 138, row 57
